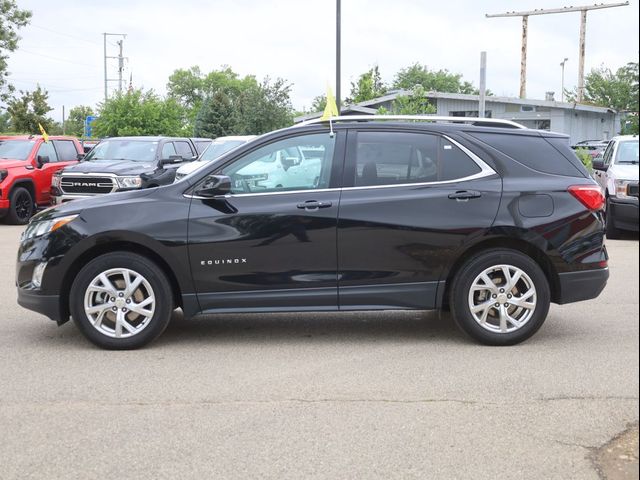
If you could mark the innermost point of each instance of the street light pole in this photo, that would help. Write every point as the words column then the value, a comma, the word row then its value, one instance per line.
column 338, row 40
column 562, row 89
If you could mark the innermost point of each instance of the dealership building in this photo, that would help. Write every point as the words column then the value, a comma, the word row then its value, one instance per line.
column 579, row 121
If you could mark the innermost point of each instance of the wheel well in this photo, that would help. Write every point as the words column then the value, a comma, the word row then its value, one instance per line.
column 25, row 184
column 120, row 246
column 512, row 243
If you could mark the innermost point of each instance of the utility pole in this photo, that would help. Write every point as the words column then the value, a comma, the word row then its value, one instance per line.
column 64, row 129
column 562, row 89
column 120, row 62
column 581, row 51
column 483, row 84
column 338, row 41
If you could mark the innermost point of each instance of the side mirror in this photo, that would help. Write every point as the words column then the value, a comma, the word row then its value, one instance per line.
column 172, row 159
column 213, row 186
column 80, row 157
column 288, row 162
column 598, row 164
column 41, row 160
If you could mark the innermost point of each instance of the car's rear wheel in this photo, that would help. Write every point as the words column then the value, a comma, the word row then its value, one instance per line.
column 611, row 231
column 121, row 301
column 500, row 297
column 21, row 206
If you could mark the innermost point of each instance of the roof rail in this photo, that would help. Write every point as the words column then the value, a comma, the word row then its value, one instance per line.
column 493, row 122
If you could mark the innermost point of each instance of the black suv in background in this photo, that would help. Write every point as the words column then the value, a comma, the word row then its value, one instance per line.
column 490, row 221
column 123, row 163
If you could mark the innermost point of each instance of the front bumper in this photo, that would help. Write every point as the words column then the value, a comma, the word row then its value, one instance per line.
column 48, row 305
column 624, row 213
column 583, row 285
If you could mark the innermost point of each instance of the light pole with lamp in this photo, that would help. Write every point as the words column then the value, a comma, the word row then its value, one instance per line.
column 562, row 91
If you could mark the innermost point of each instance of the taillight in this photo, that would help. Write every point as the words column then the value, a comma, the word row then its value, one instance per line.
column 589, row 195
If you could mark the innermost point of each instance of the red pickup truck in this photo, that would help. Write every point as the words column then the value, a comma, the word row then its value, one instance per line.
column 27, row 163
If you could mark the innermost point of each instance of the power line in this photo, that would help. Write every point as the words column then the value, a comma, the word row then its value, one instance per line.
column 57, row 58
column 65, row 34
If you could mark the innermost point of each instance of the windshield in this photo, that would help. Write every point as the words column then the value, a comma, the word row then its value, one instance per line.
column 627, row 153
column 218, row 148
column 16, row 149
column 133, row 150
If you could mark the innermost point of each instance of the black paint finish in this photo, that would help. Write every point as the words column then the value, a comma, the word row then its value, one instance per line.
column 372, row 248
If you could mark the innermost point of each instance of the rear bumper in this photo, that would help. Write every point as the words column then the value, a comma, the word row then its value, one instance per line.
column 48, row 305
column 579, row 286
column 624, row 213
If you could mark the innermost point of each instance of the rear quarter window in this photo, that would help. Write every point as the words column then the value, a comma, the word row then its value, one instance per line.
column 548, row 155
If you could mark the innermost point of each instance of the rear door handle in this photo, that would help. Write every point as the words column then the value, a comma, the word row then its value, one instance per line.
column 463, row 195
column 314, row 205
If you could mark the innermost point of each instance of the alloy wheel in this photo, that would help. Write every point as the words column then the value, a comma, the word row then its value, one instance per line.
column 502, row 299
column 119, row 303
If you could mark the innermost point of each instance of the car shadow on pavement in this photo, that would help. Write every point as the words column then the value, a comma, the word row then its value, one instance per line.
column 295, row 328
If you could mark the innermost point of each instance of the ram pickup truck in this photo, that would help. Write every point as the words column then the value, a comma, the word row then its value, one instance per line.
column 27, row 164
column 123, row 163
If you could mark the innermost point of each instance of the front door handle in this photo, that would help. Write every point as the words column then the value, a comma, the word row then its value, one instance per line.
column 464, row 195
column 314, row 205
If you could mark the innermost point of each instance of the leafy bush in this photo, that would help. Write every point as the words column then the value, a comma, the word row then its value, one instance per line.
column 585, row 157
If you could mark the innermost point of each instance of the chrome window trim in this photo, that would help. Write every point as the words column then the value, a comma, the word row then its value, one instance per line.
column 485, row 171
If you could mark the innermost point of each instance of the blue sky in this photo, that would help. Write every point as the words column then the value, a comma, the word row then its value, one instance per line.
column 294, row 39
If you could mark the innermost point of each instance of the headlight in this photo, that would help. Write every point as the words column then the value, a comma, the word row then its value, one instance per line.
column 37, row 229
column 55, row 181
column 129, row 182
column 622, row 187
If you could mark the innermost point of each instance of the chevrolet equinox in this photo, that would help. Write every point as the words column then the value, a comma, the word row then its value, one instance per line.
column 484, row 218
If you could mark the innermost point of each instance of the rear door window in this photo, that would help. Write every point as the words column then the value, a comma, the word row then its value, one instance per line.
column 184, row 150
column 396, row 158
column 66, row 150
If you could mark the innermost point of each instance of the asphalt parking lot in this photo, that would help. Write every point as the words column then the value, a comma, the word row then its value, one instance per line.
column 384, row 395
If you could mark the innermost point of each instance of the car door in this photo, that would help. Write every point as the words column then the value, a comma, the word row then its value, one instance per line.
column 410, row 199
column 269, row 247
column 45, row 171
column 601, row 175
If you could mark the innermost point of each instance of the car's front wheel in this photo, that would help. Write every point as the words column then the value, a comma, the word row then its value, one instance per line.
column 21, row 206
column 121, row 301
column 500, row 297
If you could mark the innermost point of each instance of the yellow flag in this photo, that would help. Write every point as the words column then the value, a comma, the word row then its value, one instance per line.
column 43, row 132
column 331, row 110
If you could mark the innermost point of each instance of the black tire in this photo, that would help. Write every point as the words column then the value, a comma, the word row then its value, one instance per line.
column 160, row 288
column 610, row 229
column 464, row 279
column 21, row 207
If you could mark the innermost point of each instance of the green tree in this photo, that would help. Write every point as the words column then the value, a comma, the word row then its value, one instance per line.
column 368, row 87
column 11, row 20
column 30, row 109
column 139, row 113
column 605, row 88
column 75, row 122
column 5, row 122
column 415, row 103
column 264, row 108
column 432, row 80
column 319, row 103
column 215, row 118
column 191, row 87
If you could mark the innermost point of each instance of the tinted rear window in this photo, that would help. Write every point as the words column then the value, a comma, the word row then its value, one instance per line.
column 538, row 153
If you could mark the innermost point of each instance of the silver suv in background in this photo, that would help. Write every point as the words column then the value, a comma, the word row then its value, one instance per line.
column 616, row 170
column 219, row 146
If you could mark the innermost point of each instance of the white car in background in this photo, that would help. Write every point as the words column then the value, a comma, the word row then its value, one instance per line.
column 219, row 146
column 616, row 170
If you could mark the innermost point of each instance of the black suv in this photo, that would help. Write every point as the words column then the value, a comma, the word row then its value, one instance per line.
column 490, row 221
column 123, row 163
